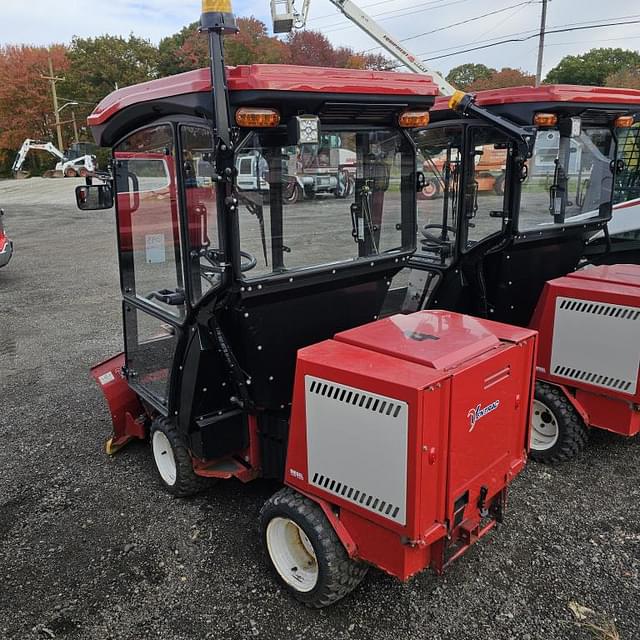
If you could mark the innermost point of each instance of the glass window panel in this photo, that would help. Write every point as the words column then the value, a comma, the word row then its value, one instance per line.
column 202, row 210
column 439, row 159
column 148, row 219
column 569, row 179
column 323, row 204
column 151, row 345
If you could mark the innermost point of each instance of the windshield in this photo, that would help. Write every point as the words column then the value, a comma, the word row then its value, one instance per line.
column 569, row 178
column 350, row 197
column 439, row 156
column 627, row 185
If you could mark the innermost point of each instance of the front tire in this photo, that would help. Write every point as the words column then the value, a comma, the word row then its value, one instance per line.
column 558, row 432
column 70, row 173
column 308, row 558
column 173, row 462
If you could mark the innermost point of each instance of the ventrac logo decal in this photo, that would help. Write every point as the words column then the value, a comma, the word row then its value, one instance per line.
column 480, row 412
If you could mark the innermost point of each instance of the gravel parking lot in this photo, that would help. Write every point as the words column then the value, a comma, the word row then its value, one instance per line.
column 91, row 547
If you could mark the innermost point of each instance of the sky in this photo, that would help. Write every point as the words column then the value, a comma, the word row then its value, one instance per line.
column 47, row 21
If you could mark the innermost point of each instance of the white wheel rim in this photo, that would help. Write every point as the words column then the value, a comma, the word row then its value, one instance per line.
column 163, row 457
column 544, row 427
column 292, row 554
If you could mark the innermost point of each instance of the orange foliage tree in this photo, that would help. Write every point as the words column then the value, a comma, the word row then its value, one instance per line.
column 26, row 105
column 506, row 77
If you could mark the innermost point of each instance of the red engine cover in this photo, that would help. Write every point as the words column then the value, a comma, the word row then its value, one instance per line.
column 589, row 324
column 410, row 425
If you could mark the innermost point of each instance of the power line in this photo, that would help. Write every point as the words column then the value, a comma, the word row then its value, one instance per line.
column 375, row 4
column 455, row 24
column 340, row 26
column 530, row 32
column 495, row 44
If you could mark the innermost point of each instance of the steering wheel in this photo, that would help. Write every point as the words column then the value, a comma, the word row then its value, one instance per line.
column 251, row 261
column 434, row 242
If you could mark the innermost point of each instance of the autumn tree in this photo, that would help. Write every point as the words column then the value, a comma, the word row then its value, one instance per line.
column 464, row 75
column 593, row 67
column 26, row 107
column 629, row 78
column 188, row 49
column 506, row 77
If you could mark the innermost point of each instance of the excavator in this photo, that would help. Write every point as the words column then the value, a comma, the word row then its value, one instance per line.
column 69, row 167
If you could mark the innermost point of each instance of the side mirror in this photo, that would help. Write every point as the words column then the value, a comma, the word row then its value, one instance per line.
column 421, row 181
column 94, row 197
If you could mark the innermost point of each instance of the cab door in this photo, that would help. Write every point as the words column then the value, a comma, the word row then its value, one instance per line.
column 151, row 259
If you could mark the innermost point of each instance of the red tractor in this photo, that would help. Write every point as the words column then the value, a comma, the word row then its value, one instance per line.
column 568, row 203
column 252, row 341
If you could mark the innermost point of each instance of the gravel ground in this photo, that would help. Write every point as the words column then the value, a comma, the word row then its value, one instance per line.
column 92, row 548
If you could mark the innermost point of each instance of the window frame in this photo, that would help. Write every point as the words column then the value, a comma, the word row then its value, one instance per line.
column 468, row 178
column 220, row 226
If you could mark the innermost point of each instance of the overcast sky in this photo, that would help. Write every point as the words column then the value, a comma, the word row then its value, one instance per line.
column 46, row 21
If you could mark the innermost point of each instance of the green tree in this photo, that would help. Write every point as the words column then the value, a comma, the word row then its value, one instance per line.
column 464, row 75
column 593, row 67
column 99, row 65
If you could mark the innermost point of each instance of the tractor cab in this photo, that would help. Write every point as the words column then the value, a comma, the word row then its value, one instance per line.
column 494, row 226
column 219, row 280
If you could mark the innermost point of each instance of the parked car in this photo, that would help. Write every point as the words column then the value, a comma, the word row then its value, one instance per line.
column 6, row 246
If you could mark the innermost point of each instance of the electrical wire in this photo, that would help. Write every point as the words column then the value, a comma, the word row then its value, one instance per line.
column 534, row 35
column 375, row 4
column 456, row 24
column 340, row 26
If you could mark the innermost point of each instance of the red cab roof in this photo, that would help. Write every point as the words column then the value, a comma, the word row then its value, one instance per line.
column 551, row 93
column 269, row 77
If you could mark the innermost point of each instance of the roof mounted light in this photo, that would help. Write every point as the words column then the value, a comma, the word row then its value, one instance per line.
column 217, row 15
column 414, row 119
column 623, row 122
column 545, row 119
column 257, row 117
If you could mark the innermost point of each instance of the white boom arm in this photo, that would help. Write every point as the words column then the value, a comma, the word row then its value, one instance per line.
column 27, row 145
column 286, row 18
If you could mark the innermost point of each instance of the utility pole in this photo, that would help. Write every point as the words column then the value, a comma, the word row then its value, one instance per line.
column 543, row 24
column 53, row 79
column 75, row 126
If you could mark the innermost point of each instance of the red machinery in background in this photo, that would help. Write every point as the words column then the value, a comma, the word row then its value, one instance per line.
column 589, row 324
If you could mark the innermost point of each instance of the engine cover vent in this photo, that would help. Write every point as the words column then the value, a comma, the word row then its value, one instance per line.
column 360, row 497
column 357, row 446
column 596, row 343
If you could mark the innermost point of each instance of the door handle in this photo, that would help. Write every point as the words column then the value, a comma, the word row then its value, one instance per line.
column 167, row 296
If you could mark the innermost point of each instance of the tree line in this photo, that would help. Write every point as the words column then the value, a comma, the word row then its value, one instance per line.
column 90, row 68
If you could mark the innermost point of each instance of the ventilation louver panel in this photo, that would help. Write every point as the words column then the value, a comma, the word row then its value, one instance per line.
column 596, row 343
column 357, row 446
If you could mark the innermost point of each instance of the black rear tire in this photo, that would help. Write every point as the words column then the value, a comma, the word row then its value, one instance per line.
column 552, row 407
column 184, row 482
column 337, row 574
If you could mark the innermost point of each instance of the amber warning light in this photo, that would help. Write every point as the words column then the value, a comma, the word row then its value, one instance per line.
column 414, row 119
column 622, row 122
column 254, row 117
column 545, row 119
